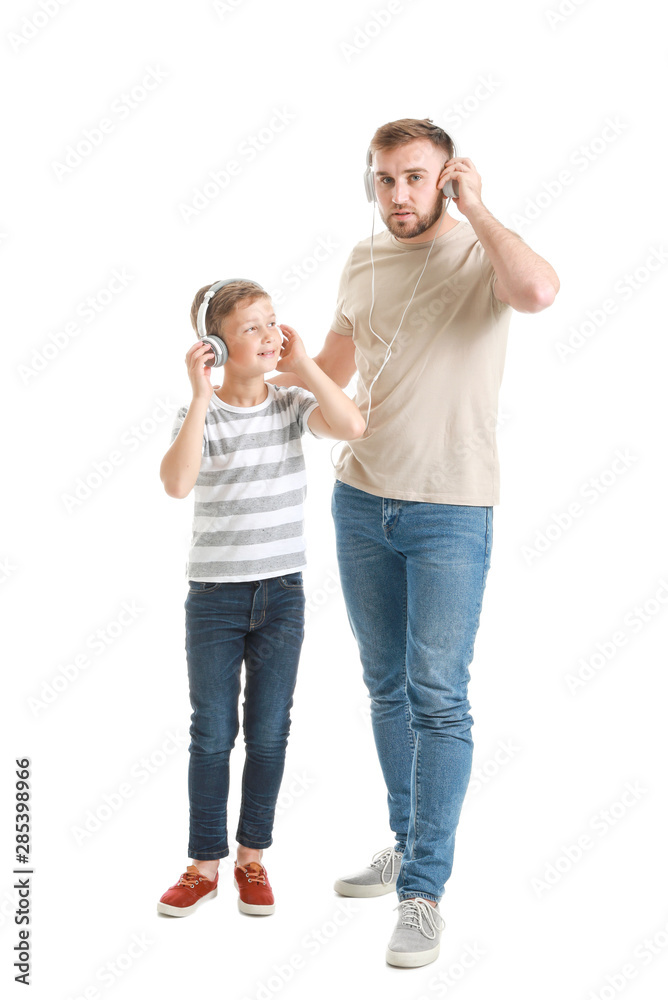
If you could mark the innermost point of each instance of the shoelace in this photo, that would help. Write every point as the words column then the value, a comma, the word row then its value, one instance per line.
column 416, row 913
column 190, row 879
column 381, row 860
column 253, row 876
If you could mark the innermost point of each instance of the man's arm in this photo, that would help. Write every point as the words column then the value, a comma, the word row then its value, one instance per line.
column 336, row 359
column 523, row 279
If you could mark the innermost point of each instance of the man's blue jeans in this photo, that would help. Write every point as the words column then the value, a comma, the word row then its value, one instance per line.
column 262, row 624
column 413, row 576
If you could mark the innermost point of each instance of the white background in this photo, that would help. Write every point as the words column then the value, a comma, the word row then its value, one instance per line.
column 534, row 92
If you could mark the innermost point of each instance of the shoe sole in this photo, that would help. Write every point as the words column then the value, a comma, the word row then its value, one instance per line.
column 363, row 891
column 255, row 909
column 411, row 959
column 185, row 911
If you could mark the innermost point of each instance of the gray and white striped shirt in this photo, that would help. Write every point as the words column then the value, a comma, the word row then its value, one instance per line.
column 248, row 521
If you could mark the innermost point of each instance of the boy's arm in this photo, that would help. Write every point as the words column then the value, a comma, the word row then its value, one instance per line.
column 336, row 359
column 180, row 467
column 336, row 416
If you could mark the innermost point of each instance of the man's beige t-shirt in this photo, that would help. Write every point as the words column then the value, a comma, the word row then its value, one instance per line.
column 432, row 427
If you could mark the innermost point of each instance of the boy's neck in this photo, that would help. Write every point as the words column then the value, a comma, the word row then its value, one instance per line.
column 240, row 391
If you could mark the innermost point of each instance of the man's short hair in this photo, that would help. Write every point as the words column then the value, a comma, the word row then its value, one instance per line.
column 225, row 301
column 405, row 130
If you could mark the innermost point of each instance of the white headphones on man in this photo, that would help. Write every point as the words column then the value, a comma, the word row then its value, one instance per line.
column 450, row 188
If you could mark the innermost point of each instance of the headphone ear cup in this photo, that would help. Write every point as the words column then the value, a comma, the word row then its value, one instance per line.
column 369, row 187
column 219, row 348
column 451, row 189
column 368, row 184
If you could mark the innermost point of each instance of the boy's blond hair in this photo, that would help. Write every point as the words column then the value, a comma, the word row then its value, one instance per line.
column 224, row 302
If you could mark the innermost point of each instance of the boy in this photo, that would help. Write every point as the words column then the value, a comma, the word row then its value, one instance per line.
column 240, row 447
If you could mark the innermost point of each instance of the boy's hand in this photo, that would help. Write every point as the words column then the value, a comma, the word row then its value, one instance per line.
column 199, row 372
column 293, row 351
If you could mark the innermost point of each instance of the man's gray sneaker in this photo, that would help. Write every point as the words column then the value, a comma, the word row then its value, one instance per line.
column 417, row 936
column 376, row 879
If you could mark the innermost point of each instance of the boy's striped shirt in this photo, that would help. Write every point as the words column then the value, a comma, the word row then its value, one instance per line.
column 248, row 521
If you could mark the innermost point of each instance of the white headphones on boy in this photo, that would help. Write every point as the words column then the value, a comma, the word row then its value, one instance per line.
column 217, row 344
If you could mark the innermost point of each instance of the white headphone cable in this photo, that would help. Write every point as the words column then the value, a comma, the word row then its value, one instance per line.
column 388, row 353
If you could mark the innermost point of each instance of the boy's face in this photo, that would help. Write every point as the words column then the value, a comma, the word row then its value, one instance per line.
column 253, row 338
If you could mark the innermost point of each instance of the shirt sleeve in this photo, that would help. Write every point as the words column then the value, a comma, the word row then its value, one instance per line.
column 489, row 278
column 342, row 321
column 178, row 421
column 305, row 403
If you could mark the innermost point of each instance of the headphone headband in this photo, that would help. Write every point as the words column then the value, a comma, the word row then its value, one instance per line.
column 201, row 312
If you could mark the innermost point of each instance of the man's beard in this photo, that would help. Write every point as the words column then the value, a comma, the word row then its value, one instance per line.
column 418, row 224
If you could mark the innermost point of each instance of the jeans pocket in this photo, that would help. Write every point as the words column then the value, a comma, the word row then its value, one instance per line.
column 293, row 581
column 202, row 586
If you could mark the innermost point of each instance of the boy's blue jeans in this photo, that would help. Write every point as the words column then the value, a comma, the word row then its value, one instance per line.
column 413, row 576
column 262, row 624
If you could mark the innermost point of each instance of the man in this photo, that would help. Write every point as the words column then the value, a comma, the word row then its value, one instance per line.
column 422, row 315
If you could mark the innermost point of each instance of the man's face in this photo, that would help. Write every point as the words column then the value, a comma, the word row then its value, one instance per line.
column 405, row 180
column 253, row 338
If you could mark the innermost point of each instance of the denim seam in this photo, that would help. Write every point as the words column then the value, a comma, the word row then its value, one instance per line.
column 486, row 560
column 391, row 523
column 485, row 567
column 417, row 786
column 215, row 855
column 253, row 847
column 411, row 736
column 252, row 626
column 409, row 728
